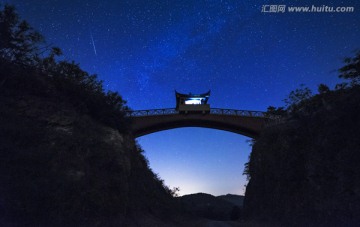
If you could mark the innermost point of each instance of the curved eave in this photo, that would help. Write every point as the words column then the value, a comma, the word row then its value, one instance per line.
column 206, row 95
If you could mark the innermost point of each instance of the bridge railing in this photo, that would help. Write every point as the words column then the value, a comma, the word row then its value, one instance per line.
column 213, row 111
column 152, row 112
column 243, row 113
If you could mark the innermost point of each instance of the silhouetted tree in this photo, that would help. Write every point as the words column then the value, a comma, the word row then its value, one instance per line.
column 175, row 191
column 48, row 64
column 19, row 42
column 77, row 178
column 341, row 86
column 322, row 88
column 271, row 110
column 298, row 96
column 351, row 70
column 246, row 171
column 316, row 146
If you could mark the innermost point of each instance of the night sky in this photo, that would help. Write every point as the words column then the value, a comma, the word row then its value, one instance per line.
column 248, row 58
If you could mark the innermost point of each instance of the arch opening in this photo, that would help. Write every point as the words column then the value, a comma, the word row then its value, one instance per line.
column 198, row 159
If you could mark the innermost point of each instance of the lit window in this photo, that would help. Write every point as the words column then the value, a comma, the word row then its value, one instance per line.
column 193, row 102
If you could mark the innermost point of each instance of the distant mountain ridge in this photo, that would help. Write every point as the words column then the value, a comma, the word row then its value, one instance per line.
column 237, row 200
column 221, row 208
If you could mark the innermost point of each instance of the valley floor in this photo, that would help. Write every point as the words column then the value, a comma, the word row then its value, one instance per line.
column 211, row 223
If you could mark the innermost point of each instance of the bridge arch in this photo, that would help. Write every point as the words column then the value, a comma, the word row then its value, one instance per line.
column 247, row 123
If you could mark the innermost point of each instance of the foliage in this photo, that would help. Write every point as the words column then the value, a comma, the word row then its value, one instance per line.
column 246, row 171
column 18, row 40
column 60, row 165
column 297, row 97
column 251, row 142
column 302, row 97
column 322, row 88
column 351, row 69
column 280, row 111
column 303, row 171
column 175, row 192
column 341, row 86
column 20, row 45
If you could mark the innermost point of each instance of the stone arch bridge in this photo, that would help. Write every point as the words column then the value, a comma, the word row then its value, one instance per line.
column 244, row 122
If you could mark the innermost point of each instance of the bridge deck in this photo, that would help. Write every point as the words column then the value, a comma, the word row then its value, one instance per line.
column 215, row 111
column 245, row 122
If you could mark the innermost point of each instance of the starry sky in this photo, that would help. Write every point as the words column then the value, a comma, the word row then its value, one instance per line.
column 248, row 58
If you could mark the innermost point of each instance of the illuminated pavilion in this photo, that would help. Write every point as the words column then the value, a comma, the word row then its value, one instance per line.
column 186, row 103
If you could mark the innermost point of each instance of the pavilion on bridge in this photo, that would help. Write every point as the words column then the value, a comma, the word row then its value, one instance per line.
column 186, row 103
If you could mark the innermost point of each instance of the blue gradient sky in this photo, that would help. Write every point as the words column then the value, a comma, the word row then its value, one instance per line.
column 249, row 59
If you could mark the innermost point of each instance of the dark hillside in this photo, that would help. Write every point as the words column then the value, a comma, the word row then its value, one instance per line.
column 237, row 200
column 305, row 171
column 60, row 166
column 210, row 207
column 66, row 155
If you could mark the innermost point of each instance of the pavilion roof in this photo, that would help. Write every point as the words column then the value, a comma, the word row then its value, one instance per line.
column 190, row 95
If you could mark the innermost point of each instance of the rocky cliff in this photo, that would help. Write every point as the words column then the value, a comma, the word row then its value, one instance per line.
column 305, row 171
column 61, row 166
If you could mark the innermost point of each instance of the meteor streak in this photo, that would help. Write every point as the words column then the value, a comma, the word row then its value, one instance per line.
column 93, row 43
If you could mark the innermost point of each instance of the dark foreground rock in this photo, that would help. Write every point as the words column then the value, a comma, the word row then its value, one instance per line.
column 305, row 171
column 60, row 166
